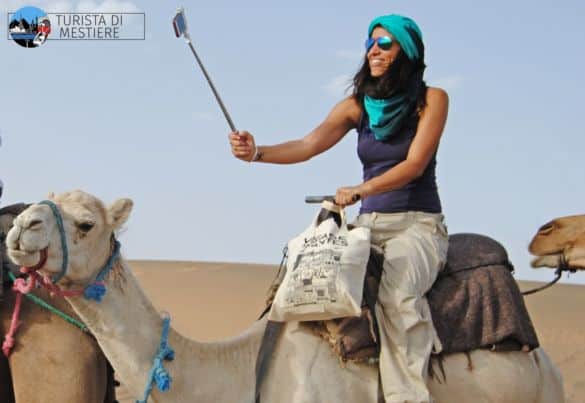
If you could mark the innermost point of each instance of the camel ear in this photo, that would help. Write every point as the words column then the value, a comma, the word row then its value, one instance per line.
column 119, row 212
column 51, row 196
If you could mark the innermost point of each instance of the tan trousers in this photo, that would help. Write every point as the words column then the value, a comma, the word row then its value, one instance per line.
column 415, row 250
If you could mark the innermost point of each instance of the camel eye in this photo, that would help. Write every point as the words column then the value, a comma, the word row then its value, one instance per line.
column 85, row 226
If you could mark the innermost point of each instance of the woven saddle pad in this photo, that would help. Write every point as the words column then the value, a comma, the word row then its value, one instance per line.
column 475, row 304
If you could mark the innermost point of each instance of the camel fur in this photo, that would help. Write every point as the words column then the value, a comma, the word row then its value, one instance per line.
column 52, row 360
column 562, row 239
column 304, row 370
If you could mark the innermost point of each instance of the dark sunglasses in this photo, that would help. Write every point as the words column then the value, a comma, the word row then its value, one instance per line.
column 384, row 43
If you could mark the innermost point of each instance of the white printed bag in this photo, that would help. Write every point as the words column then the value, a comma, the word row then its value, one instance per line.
column 325, row 272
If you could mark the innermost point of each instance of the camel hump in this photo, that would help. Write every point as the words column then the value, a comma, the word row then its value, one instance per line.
column 469, row 251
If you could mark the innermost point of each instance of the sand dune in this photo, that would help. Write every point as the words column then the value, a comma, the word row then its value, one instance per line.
column 211, row 301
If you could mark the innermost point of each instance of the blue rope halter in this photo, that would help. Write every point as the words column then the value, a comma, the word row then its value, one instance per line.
column 158, row 373
column 59, row 220
column 97, row 289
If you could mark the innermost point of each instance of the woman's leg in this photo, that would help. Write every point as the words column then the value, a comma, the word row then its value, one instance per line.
column 415, row 249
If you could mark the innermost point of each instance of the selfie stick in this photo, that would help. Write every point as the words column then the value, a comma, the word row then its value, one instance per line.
column 180, row 26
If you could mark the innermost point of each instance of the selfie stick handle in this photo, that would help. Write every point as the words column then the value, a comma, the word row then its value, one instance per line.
column 321, row 199
column 221, row 105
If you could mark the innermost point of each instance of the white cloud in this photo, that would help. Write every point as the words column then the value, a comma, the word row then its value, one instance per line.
column 338, row 85
column 448, row 83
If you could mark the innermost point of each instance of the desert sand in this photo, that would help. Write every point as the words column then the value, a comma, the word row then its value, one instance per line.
column 212, row 301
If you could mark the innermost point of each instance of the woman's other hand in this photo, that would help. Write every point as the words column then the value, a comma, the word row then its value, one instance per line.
column 346, row 196
column 243, row 145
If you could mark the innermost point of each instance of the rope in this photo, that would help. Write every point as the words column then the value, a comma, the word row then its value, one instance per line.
column 563, row 266
column 51, row 308
column 158, row 372
column 21, row 287
column 59, row 220
column 97, row 290
column 271, row 294
column 94, row 291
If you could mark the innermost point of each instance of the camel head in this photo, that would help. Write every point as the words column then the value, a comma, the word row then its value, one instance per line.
column 35, row 239
column 560, row 239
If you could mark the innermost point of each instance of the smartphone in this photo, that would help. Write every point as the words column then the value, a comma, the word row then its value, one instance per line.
column 180, row 23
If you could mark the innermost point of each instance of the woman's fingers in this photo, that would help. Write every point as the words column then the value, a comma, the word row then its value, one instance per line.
column 346, row 196
column 238, row 140
column 242, row 144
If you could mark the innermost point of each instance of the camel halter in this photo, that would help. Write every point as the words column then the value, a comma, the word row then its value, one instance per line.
column 562, row 267
column 59, row 220
column 96, row 290
column 158, row 373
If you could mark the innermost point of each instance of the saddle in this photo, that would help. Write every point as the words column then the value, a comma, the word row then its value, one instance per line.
column 475, row 304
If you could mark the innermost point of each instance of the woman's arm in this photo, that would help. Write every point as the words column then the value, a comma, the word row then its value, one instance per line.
column 424, row 145
column 343, row 117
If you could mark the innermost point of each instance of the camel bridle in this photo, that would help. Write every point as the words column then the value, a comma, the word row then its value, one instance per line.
column 96, row 289
column 562, row 267
column 158, row 374
column 65, row 251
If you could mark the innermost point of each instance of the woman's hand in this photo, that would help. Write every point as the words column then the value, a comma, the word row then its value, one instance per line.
column 243, row 145
column 346, row 196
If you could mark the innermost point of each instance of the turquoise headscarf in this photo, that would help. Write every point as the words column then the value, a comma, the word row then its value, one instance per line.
column 387, row 115
column 399, row 26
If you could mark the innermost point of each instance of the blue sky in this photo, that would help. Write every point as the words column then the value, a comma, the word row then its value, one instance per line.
column 136, row 118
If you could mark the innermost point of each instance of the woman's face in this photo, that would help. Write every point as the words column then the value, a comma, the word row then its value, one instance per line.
column 380, row 59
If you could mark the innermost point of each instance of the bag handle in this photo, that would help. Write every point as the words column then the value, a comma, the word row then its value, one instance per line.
column 331, row 210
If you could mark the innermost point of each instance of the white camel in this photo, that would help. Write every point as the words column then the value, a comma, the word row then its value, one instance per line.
column 303, row 370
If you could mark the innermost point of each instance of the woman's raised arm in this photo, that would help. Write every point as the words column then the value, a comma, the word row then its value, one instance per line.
column 343, row 117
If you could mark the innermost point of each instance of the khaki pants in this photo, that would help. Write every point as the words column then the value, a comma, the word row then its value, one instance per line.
column 415, row 250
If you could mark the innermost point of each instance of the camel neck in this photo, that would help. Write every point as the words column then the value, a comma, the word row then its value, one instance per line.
column 128, row 329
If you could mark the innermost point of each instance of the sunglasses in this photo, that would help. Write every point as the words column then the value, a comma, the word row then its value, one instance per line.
column 384, row 43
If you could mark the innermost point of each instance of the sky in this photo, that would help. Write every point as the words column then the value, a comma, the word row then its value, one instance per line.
column 137, row 119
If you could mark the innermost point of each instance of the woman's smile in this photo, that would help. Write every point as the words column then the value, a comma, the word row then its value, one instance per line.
column 378, row 58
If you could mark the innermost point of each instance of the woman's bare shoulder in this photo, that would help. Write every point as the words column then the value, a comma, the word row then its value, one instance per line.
column 351, row 109
column 437, row 95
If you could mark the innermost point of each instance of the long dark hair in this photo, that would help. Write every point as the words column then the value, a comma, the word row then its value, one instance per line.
column 403, row 75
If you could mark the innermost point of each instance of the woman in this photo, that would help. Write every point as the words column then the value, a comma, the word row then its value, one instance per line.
column 399, row 121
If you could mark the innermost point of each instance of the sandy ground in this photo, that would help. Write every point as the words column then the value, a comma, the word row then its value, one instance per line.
column 211, row 301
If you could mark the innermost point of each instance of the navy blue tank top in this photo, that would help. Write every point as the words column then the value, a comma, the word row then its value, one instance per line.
column 378, row 157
